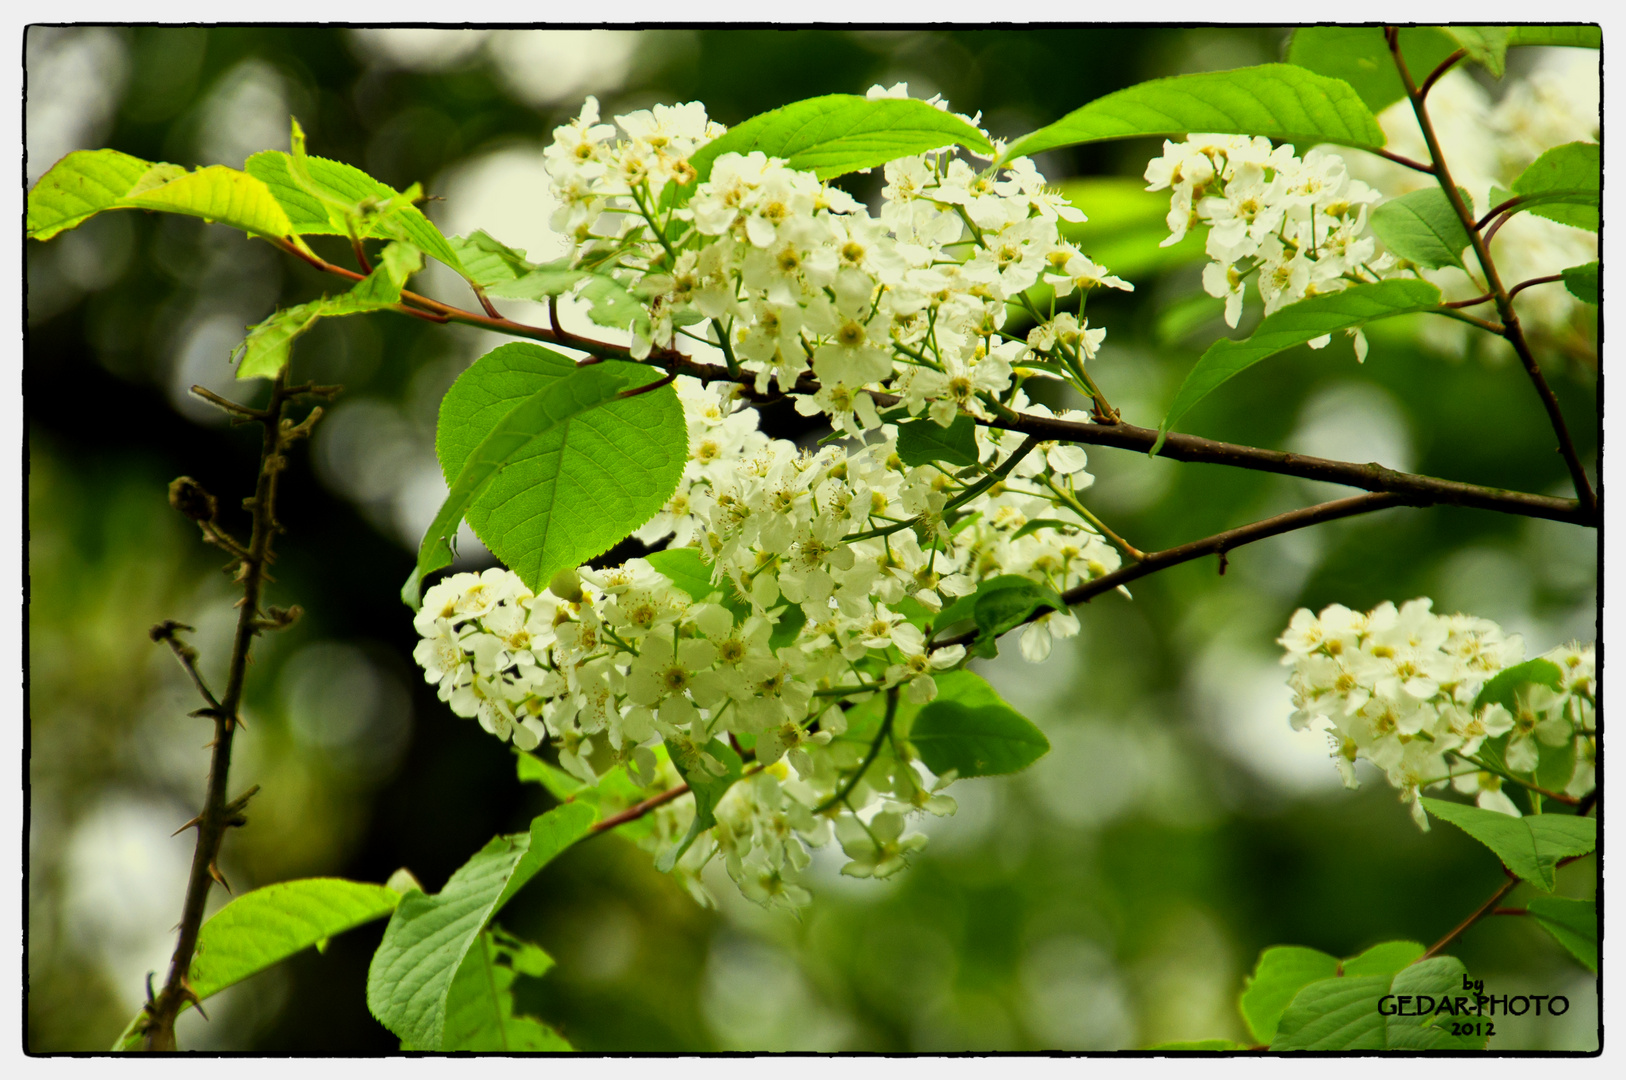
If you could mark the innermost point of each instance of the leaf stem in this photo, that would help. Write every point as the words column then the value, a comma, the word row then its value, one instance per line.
column 1434, row 76
column 1523, row 285
column 846, row 789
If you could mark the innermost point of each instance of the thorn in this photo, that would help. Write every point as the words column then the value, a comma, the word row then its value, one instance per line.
column 1224, row 561
column 189, row 994
column 214, row 872
column 178, row 832
column 150, row 974
column 165, row 630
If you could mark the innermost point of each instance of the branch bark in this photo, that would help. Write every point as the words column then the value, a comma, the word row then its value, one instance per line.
column 1511, row 330
column 220, row 814
column 1218, row 544
column 1177, row 446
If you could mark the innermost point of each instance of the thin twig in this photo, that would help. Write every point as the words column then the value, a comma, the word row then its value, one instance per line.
column 1218, row 544
column 361, row 254
column 1400, row 159
column 1523, row 285
column 1511, row 330
column 1484, row 909
column 633, row 813
column 869, row 758
column 1434, row 76
column 1500, row 208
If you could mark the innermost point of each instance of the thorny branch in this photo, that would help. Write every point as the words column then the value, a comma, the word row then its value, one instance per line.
column 220, row 813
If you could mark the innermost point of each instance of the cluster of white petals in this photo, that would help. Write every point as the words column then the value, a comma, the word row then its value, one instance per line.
column 1398, row 687
column 1299, row 224
column 800, row 585
column 788, row 275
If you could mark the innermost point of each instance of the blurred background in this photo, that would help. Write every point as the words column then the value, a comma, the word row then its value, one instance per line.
column 1113, row 896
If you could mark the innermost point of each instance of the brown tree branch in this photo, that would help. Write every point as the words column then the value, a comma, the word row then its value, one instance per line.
column 1218, row 544
column 1511, row 330
column 220, row 814
column 1177, row 446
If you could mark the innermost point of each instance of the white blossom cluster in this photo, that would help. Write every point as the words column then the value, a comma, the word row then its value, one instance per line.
column 789, row 275
column 1298, row 226
column 826, row 566
column 1397, row 688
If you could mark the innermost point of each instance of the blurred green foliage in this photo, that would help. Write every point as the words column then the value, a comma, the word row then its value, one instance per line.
column 1112, row 896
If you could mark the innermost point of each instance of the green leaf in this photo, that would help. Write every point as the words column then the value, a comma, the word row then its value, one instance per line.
column 1359, row 56
column 841, row 133
column 489, row 262
column 1564, row 185
column 1574, row 923
column 1383, row 959
column 1581, row 37
column 560, row 784
column 1527, row 846
column 267, row 348
column 87, row 182
column 540, row 282
column 707, row 787
column 429, row 937
column 1422, row 226
column 547, row 464
column 1503, row 689
column 1343, row 1013
column 921, row 442
column 1126, row 226
column 1280, row 101
column 1582, row 282
column 968, row 727
column 480, row 1006
column 1485, row 45
column 1282, row 971
column 1202, row 1044
column 1000, row 603
column 688, row 570
column 1035, row 524
column 268, row 925
column 323, row 197
column 1293, row 325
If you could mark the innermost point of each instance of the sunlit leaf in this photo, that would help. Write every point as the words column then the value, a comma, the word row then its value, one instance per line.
column 840, row 133
column 547, row 464
column 429, row 937
column 1360, row 56
column 87, row 182
column 1281, row 101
